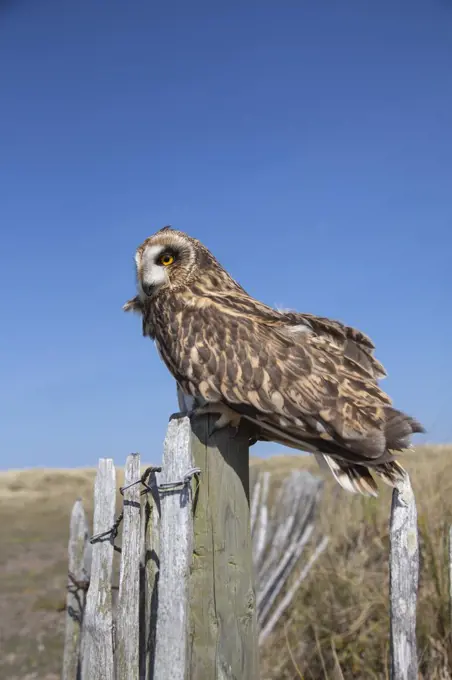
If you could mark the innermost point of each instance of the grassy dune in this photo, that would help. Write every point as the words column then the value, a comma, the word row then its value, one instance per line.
column 338, row 623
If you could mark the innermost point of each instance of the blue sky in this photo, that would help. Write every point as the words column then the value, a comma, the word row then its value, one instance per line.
column 307, row 144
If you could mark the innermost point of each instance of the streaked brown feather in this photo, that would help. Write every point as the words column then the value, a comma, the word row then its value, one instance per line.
column 305, row 381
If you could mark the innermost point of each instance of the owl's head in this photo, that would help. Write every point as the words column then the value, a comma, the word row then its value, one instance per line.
column 169, row 259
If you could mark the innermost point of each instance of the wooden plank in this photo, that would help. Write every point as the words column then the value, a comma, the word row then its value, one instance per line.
column 404, row 574
column 127, row 614
column 222, row 623
column 150, row 572
column 175, row 555
column 97, row 644
column 290, row 527
column 290, row 594
column 260, row 524
column 75, row 599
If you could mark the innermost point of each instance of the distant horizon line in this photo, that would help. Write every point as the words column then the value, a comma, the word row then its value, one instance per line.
column 253, row 458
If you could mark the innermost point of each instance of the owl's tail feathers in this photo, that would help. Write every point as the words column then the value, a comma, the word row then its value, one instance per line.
column 353, row 478
column 357, row 478
column 397, row 432
column 398, row 429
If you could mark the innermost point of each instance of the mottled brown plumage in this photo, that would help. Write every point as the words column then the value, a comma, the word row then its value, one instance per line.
column 308, row 382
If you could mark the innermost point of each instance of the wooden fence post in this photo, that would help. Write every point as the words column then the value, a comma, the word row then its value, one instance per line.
column 403, row 584
column 222, row 625
column 149, row 578
column 175, row 555
column 127, row 614
column 206, row 624
column 75, row 600
column 97, row 642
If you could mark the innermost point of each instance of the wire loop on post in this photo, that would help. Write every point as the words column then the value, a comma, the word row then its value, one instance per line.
column 112, row 533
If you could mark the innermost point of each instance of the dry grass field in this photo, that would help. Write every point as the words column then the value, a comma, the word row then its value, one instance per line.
column 338, row 624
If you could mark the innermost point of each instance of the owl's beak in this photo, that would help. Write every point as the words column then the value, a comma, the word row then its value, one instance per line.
column 147, row 288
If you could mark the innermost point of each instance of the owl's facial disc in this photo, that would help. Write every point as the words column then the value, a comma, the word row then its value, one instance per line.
column 153, row 268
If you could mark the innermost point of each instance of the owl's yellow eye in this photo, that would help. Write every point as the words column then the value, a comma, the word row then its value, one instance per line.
column 166, row 260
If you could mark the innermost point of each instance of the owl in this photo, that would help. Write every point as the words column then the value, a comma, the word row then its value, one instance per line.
column 303, row 381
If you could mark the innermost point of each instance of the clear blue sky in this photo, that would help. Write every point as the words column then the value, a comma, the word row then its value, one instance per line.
column 308, row 144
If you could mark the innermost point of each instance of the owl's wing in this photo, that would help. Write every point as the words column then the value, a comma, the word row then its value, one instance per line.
column 357, row 347
column 299, row 380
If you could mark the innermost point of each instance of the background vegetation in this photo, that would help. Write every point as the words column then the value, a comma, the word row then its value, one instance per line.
column 338, row 624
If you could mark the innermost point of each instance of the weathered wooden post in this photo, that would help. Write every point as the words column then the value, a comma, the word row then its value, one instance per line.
column 223, row 629
column 206, row 625
column 403, row 584
column 127, row 613
column 149, row 578
column 175, row 555
column 77, row 586
column 97, row 642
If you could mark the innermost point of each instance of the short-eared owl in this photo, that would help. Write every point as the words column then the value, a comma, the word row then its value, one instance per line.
column 305, row 381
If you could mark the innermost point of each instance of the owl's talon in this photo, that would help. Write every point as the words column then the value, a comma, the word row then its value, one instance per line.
column 228, row 417
column 223, row 421
column 215, row 428
column 226, row 420
column 199, row 411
